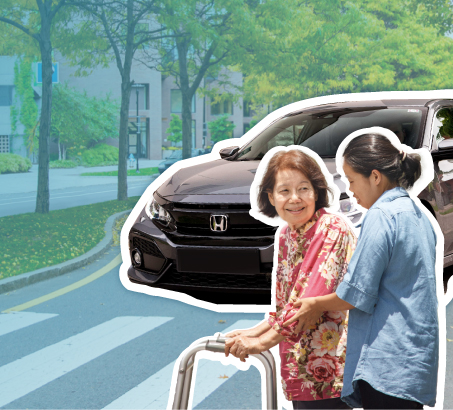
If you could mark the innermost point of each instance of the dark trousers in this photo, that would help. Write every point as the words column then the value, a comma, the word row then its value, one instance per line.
column 373, row 399
column 336, row 403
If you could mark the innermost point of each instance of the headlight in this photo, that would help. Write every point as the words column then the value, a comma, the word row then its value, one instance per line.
column 156, row 211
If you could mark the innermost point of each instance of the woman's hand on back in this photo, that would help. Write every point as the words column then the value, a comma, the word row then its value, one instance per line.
column 308, row 314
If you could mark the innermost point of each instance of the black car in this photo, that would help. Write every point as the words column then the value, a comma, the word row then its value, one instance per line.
column 196, row 232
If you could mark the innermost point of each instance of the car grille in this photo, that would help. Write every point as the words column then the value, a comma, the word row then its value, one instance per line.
column 216, row 280
column 147, row 246
column 193, row 221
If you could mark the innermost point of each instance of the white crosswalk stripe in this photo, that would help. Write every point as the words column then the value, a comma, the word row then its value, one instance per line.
column 10, row 322
column 27, row 374
column 153, row 392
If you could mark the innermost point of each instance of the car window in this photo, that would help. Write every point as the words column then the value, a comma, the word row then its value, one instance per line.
column 323, row 132
column 443, row 124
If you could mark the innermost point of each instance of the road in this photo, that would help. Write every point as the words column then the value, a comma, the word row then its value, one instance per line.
column 102, row 346
column 68, row 188
column 13, row 204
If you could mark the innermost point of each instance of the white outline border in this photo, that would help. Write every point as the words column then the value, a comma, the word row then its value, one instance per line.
column 426, row 177
column 261, row 126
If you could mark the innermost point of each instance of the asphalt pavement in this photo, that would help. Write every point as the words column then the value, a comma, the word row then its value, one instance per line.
column 102, row 346
column 68, row 188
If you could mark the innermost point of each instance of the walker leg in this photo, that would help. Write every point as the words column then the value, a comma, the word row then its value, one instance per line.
column 187, row 384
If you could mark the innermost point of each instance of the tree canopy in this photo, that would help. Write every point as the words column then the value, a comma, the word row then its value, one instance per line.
column 79, row 120
column 333, row 47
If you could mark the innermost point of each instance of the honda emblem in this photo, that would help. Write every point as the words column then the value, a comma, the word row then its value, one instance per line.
column 219, row 223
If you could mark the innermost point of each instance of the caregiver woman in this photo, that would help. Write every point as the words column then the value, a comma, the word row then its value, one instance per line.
column 392, row 356
column 313, row 253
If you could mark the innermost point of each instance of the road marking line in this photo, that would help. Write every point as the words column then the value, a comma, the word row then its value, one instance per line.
column 25, row 375
column 18, row 320
column 153, row 392
column 107, row 268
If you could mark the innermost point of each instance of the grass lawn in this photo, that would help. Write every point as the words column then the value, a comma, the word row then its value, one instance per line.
column 32, row 241
column 130, row 173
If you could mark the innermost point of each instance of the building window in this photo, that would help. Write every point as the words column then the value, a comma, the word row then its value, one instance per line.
column 246, row 126
column 247, row 110
column 6, row 95
column 4, row 144
column 176, row 101
column 55, row 75
column 222, row 107
column 143, row 97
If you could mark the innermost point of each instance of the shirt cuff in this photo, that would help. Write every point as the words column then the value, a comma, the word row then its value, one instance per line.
column 356, row 297
column 276, row 323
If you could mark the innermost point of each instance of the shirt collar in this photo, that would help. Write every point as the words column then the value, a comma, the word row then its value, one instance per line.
column 305, row 227
column 390, row 195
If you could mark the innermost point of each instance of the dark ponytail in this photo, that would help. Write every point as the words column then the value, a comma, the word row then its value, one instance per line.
column 373, row 151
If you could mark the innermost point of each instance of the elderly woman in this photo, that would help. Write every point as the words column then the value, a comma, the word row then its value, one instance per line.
column 314, row 248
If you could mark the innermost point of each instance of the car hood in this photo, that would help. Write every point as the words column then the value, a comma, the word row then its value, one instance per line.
column 219, row 181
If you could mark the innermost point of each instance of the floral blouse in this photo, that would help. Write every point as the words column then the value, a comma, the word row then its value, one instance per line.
column 312, row 261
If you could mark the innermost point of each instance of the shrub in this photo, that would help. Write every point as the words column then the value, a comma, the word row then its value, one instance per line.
column 101, row 154
column 221, row 128
column 62, row 163
column 10, row 163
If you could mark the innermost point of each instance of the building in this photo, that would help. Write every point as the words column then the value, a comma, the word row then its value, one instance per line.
column 156, row 96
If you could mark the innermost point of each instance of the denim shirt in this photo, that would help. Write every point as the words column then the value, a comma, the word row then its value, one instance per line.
column 393, row 336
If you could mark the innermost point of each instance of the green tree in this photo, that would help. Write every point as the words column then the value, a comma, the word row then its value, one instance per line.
column 221, row 128
column 24, row 109
column 125, row 28
column 39, row 20
column 336, row 47
column 174, row 130
column 210, row 35
column 79, row 120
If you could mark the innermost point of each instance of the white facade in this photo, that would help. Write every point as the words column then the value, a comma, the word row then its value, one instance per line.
column 155, row 103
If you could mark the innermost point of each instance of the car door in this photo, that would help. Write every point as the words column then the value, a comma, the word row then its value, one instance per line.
column 439, row 192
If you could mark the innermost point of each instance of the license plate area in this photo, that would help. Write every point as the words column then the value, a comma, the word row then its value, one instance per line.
column 218, row 260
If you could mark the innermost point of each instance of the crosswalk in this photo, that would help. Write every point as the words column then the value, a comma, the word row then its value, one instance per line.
column 33, row 371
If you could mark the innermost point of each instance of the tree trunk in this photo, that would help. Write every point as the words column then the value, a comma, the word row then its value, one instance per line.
column 125, row 97
column 123, row 137
column 186, row 112
column 42, row 198
column 186, row 125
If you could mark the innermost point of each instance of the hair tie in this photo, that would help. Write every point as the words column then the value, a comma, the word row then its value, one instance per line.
column 403, row 154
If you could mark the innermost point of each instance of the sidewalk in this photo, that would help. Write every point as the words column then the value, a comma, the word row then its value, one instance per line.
column 66, row 178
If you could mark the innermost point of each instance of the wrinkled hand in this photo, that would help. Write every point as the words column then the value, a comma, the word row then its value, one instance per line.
column 237, row 333
column 241, row 346
column 243, row 332
column 307, row 315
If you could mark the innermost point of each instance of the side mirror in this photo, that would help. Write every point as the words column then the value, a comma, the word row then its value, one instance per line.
column 228, row 152
column 445, row 144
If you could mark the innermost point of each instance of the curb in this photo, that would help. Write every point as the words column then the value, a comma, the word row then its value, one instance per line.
column 25, row 279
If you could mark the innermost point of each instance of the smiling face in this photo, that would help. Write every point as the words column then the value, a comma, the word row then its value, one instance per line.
column 365, row 189
column 293, row 197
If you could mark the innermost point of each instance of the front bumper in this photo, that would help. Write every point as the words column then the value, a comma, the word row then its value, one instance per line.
column 165, row 264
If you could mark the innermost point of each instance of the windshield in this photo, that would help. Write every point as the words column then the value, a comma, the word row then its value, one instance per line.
column 323, row 132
